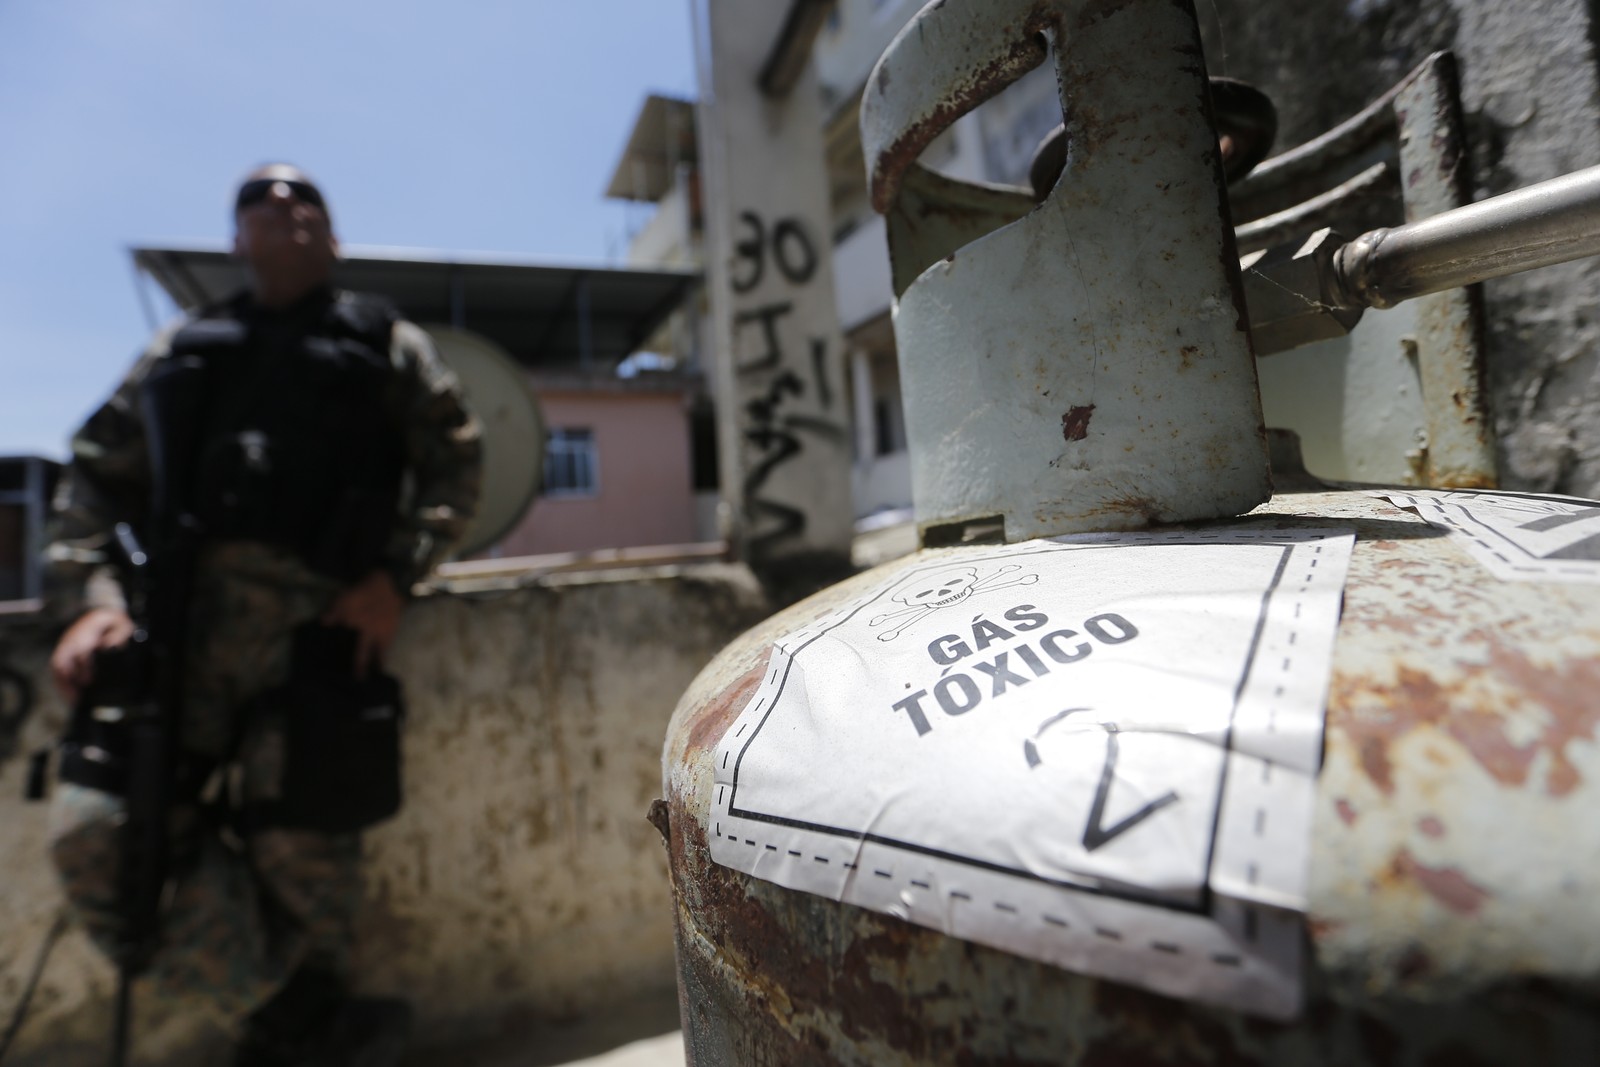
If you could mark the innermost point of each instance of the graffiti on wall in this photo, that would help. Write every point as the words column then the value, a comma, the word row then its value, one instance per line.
column 790, row 400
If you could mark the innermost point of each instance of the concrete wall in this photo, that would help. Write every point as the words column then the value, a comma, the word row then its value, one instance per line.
column 666, row 240
column 1529, row 86
column 521, row 882
column 645, row 491
column 861, row 278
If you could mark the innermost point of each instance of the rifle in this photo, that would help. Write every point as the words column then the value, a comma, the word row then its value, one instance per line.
column 126, row 729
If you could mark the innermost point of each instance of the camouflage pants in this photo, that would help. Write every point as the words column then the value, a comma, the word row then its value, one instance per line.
column 243, row 910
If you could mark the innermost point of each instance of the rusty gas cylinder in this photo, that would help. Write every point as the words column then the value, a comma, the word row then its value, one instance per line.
column 1453, row 877
column 1125, row 765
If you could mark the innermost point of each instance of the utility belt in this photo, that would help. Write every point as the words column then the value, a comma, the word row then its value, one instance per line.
column 341, row 767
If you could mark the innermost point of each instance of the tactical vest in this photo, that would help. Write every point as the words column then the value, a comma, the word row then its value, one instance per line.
column 298, row 446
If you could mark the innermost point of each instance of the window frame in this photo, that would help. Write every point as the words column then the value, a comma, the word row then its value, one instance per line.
column 559, row 440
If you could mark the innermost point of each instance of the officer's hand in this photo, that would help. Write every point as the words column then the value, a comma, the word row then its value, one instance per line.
column 372, row 609
column 72, row 663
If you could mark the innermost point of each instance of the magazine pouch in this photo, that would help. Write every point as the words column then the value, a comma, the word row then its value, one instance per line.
column 341, row 769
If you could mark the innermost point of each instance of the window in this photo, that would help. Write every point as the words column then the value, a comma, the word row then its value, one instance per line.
column 571, row 465
column 882, row 428
column 703, row 447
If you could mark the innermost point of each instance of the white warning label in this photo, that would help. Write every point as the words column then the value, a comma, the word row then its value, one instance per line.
column 1099, row 752
column 1518, row 536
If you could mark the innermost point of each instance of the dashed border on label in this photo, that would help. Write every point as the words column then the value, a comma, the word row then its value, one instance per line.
column 1437, row 512
column 786, row 649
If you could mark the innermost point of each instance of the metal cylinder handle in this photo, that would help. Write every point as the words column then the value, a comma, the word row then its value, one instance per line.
column 947, row 60
column 1079, row 364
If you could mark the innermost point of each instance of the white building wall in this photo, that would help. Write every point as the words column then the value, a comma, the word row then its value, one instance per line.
column 665, row 240
column 861, row 274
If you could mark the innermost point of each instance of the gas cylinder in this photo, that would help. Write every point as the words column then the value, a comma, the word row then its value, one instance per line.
column 1158, row 750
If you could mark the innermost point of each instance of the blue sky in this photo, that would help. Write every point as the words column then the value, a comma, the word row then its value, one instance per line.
column 487, row 126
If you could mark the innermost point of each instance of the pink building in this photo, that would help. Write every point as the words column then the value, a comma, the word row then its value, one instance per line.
column 618, row 471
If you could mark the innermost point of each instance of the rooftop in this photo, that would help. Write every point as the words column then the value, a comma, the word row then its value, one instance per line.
column 663, row 136
column 545, row 315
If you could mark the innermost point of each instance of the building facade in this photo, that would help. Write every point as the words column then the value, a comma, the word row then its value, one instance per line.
column 1529, row 87
column 618, row 470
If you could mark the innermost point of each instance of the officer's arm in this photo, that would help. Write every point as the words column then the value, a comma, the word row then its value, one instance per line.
column 106, row 482
column 443, row 456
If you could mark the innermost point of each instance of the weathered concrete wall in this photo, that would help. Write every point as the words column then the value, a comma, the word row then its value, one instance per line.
column 1529, row 87
column 521, row 882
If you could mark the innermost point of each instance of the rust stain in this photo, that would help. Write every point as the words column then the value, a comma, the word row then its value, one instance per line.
column 710, row 722
column 660, row 816
column 1447, row 885
column 1323, row 929
column 1129, row 504
column 1567, row 692
column 787, row 971
column 1187, row 355
column 898, row 156
column 1347, row 812
column 1431, row 826
column 1563, row 690
column 1075, row 423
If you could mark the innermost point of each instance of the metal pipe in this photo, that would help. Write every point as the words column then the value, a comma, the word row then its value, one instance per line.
column 1552, row 222
column 1315, row 213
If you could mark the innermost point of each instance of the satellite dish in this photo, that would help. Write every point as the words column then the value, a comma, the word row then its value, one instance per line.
column 496, row 390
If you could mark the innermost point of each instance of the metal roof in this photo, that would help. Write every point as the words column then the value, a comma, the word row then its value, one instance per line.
column 662, row 137
column 544, row 315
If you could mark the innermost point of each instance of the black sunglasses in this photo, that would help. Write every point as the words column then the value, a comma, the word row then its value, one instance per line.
column 255, row 191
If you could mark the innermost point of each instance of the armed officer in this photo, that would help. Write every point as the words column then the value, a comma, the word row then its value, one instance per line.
column 332, row 465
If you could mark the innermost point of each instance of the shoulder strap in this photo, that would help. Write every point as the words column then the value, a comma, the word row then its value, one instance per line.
column 366, row 317
column 216, row 326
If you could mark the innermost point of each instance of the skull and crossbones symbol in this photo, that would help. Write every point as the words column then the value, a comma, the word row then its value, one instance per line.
column 923, row 595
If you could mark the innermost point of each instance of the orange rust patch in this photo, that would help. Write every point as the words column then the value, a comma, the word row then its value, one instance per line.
column 1483, row 734
column 712, row 720
column 1347, row 813
column 1565, row 691
column 1129, row 504
column 1417, row 699
column 1447, row 885
column 1568, row 693
column 1416, row 621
